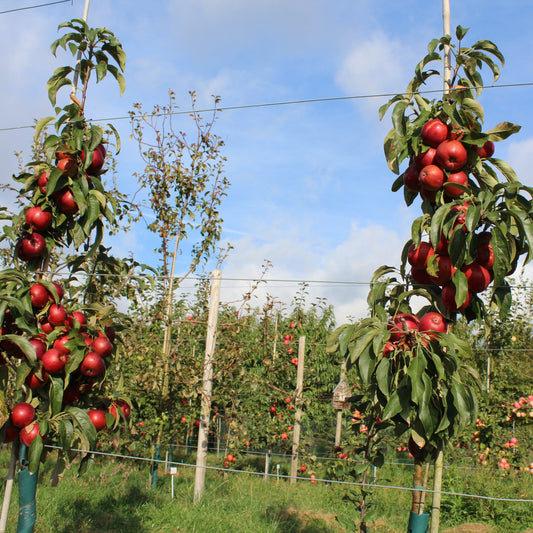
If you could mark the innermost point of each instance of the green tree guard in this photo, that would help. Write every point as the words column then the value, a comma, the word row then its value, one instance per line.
column 418, row 523
column 27, row 490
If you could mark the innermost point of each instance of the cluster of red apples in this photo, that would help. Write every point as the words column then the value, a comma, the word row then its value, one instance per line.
column 407, row 330
column 442, row 164
column 48, row 205
column 65, row 347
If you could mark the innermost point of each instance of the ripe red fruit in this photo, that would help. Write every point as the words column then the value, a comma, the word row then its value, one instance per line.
column 389, row 348
column 92, row 365
column 418, row 255
column 485, row 151
column 445, row 270
column 33, row 382
column 411, row 179
column 68, row 166
column 451, row 155
column 23, row 414
column 28, row 433
column 32, row 246
column 461, row 178
column 431, row 178
column 448, row 299
column 402, row 324
column 442, row 246
column 39, row 295
column 97, row 417
column 125, row 408
column 425, row 158
column 42, row 182
column 102, row 346
column 38, row 219
column 59, row 291
column 478, row 277
column 60, row 342
column 434, row 132
column 98, row 160
column 110, row 333
column 433, row 322
column 46, row 327
column 39, row 346
column 230, row 457
column 65, row 202
column 284, row 436
column 70, row 395
column 54, row 361
column 11, row 434
column 421, row 277
column 57, row 315
column 76, row 318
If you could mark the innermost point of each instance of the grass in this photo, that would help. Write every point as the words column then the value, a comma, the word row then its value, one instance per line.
column 114, row 497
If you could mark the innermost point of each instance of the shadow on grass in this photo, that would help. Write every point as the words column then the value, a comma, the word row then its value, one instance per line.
column 293, row 520
column 87, row 514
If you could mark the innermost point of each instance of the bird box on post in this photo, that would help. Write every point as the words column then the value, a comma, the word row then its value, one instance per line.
column 341, row 392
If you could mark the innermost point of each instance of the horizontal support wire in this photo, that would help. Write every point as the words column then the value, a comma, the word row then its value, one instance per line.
column 280, row 476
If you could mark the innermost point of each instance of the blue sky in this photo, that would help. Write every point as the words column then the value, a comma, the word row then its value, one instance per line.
column 310, row 188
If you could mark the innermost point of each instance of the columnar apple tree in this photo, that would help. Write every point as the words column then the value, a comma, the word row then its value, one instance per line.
column 475, row 226
column 54, row 350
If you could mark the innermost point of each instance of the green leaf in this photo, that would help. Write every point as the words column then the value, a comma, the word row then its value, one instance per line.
column 502, row 131
column 460, row 32
column 505, row 169
column 66, row 434
column 469, row 104
column 393, row 407
column 34, row 453
column 415, row 371
column 383, row 376
column 56, row 395
column 82, row 420
column 119, row 77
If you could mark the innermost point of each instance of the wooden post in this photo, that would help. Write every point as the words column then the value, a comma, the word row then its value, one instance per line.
column 268, row 458
column 437, row 485
column 299, row 412
column 201, row 457
column 338, row 430
column 9, row 488
column 447, row 57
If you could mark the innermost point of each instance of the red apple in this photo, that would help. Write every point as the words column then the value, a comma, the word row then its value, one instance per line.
column 448, row 298
column 102, row 346
column 98, row 160
column 60, row 342
column 54, row 361
column 57, row 315
column 433, row 322
column 451, row 155
column 411, row 179
column 65, row 202
column 478, row 277
column 418, row 256
column 421, row 277
column 110, row 333
column 389, row 349
column 28, row 433
column 11, row 434
column 39, row 346
column 97, row 417
column 434, row 132
column 32, row 246
column 402, row 324
column 92, row 365
column 445, row 270
column 38, row 219
column 76, row 318
column 39, row 295
column 68, row 166
column 124, row 407
column 431, row 177
column 425, row 158
column 34, row 382
column 461, row 178
column 23, row 414
column 59, row 290
column 42, row 182
column 485, row 151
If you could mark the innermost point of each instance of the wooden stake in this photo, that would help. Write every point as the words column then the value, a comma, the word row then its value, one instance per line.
column 437, row 486
column 299, row 412
column 338, row 430
column 9, row 488
column 201, row 457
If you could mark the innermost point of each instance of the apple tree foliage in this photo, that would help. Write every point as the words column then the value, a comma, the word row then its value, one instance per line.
column 65, row 181
column 425, row 386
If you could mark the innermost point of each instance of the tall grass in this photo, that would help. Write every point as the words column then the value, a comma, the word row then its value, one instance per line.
column 114, row 497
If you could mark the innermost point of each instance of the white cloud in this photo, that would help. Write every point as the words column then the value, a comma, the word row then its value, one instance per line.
column 520, row 160
column 377, row 65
